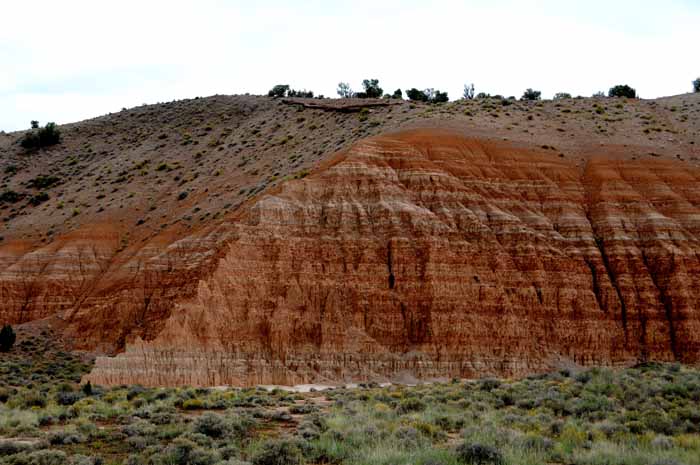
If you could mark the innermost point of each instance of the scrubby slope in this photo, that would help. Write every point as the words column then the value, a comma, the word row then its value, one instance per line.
column 499, row 239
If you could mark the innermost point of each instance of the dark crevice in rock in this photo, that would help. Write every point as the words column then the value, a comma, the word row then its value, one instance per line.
column 596, row 287
column 538, row 290
column 392, row 278
column 613, row 280
column 667, row 303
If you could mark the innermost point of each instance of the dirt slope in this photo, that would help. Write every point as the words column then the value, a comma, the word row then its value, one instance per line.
column 497, row 240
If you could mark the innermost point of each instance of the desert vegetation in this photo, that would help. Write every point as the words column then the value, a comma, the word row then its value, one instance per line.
column 642, row 415
column 531, row 94
column 7, row 338
column 39, row 137
column 622, row 90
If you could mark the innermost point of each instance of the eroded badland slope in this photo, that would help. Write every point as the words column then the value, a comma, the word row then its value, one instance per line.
column 241, row 240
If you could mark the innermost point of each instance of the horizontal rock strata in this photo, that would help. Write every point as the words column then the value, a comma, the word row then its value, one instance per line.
column 426, row 253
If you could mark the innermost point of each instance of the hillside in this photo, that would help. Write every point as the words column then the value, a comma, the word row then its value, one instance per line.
column 242, row 240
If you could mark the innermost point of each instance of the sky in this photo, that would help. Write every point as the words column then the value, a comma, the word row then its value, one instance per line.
column 70, row 60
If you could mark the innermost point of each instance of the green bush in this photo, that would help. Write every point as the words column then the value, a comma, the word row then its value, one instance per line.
column 440, row 97
column 696, row 85
column 416, row 95
column 479, row 454
column 300, row 93
column 278, row 452
column 7, row 338
column 372, row 89
column 33, row 399
column 68, row 398
column 562, row 96
column 531, row 94
column 185, row 452
column 38, row 199
column 193, row 404
column 10, row 197
column 280, row 90
column 622, row 91
column 42, row 137
column 40, row 457
column 411, row 404
column 43, row 181
column 211, row 425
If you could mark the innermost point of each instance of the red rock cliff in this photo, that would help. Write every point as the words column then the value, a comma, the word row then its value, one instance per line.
column 422, row 252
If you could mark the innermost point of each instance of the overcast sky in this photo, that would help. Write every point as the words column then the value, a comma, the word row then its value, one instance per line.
column 70, row 60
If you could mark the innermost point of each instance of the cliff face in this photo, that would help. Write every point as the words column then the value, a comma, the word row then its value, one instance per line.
column 421, row 252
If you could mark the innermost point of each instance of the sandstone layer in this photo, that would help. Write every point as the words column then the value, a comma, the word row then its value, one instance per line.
column 244, row 240
column 434, row 254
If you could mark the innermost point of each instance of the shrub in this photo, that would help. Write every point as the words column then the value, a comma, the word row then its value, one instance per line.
column 562, row 95
column 537, row 443
column 468, row 93
column 439, row 97
column 696, row 85
column 300, row 93
column 193, row 404
column 134, row 392
column 40, row 457
column 41, row 137
column 10, row 197
column 65, row 437
column 364, row 114
column 280, row 90
column 531, row 94
column 185, row 452
column 33, row 399
column 372, row 89
column 43, row 181
column 39, row 198
column 10, row 447
column 7, row 338
column 416, row 95
column 280, row 452
column 411, row 405
column 211, row 425
column 398, row 94
column 622, row 91
column 479, row 454
column 344, row 90
column 68, row 398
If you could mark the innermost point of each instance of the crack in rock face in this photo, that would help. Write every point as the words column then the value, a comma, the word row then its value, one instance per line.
column 421, row 252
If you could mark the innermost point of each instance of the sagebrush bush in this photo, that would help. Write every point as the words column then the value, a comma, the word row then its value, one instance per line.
column 211, row 425
column 479, row 454
column 278, row 452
